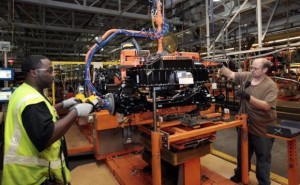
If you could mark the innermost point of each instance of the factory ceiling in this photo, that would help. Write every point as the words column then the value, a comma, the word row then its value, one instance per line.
column 66, row 29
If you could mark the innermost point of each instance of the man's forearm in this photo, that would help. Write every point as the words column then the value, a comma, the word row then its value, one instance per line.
column 259, row 104
column 227, row 72
column 59, row 106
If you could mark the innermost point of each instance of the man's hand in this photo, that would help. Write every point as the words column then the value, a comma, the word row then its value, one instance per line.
column 69, row 102
column 83, row 109
column 242, row 94
column 220, row 65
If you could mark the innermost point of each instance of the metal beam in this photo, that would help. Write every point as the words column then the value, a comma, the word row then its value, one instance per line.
column 207, row 27
column 259, row 23
column 224, row 14
column 225, row 27
column 82, row 8
column 96, row 10
column 51, row 28
column 275, row 25
column 270, row 19
column 131, row 4
column 273, row 49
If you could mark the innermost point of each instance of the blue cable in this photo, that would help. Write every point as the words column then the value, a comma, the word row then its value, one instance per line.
column 150, row 34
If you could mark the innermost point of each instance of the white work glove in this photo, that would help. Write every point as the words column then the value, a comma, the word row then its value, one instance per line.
column 83, row 109
column 69, row 102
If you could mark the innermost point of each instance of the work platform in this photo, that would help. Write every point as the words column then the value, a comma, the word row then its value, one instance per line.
column 97, row 173
column 225, row 144
column 185, row 159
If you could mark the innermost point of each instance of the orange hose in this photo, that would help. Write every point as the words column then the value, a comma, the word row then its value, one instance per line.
column 159, row 21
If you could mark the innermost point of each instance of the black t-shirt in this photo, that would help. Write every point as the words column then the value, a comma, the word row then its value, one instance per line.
column 37, row 121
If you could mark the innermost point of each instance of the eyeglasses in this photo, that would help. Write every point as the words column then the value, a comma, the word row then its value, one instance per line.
column 49, row 70
column 255, row 68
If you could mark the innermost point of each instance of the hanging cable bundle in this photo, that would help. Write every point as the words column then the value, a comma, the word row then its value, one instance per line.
column 102, row 41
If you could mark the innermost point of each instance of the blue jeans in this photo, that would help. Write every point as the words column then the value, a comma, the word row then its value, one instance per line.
column 262, row 148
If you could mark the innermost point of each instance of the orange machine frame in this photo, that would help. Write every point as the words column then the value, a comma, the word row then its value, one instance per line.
column 293, row 172
column 191, row 168
column 104, row 121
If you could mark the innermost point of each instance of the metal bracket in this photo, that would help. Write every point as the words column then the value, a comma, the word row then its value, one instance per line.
column 165, row 140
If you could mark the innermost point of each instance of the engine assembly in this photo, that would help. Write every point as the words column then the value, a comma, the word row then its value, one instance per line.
column 177, row 80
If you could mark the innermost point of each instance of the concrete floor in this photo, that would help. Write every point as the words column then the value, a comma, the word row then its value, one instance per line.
column 226, row 143
column 96, row 173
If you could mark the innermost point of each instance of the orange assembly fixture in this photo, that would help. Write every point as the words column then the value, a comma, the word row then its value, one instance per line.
column 212, row 115
column 191, row 167
column 244, row 143
column 189, row 179
column 292, row 158
column 211, row 109
column 194, row 163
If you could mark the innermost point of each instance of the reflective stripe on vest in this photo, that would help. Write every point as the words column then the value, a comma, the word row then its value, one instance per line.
column 22, row 160
column 12, row 158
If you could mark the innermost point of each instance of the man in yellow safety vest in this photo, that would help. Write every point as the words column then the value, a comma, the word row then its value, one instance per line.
column 33, row 134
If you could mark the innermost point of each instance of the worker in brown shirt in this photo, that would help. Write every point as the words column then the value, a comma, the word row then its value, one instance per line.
column 258, row 95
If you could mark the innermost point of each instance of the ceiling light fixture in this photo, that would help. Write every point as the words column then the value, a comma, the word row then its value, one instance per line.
column 283, row 40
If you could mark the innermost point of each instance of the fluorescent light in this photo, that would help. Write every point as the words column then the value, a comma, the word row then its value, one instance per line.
column 282, row 40
column 277, row 41
column 179, row 35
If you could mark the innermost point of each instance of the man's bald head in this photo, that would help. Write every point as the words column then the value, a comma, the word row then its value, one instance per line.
column 264, row 62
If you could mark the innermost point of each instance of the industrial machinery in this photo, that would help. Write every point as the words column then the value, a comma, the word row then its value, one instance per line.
column 162, row 101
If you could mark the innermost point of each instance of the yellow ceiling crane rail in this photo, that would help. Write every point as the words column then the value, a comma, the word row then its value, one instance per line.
column 112, row 62
column 67, row 62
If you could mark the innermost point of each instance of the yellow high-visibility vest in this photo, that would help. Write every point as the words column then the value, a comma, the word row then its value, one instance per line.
column 23, row 163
